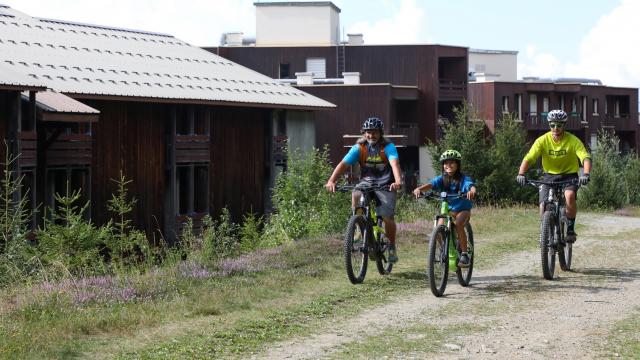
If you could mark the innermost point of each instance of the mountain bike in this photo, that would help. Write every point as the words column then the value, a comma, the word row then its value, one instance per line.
column 552, row 228
column 444, row 250
column 365, row 238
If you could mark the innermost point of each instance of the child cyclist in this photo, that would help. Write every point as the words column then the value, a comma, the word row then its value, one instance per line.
column 454, row 182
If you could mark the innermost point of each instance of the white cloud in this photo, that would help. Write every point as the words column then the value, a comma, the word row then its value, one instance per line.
column 401, row 27
column 539, row 64
column 609, row 51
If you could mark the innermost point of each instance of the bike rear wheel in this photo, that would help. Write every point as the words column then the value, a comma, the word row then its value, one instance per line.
column 382, row 262
column 464, row 274
column 547, row 251
column 565, row 252
column 356, row 254
column 438, row 261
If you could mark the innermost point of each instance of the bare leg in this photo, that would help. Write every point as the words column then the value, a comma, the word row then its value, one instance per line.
column 461, row 219
column 390, row 229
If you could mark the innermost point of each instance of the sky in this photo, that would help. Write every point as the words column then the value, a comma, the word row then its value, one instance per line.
column 554, row 38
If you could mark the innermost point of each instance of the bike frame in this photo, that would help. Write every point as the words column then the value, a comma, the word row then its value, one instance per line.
column 452, row 241
column 367, row 207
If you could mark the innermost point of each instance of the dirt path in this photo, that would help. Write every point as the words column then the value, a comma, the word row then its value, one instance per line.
column 522, row 315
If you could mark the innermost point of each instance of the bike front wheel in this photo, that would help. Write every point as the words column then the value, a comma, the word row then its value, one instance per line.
column 356, row 254
column 547, row 250
column 438, row 261
column 464, row 274
column 382, row 261
column 565, row 252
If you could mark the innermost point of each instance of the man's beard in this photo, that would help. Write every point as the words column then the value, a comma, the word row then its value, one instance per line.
column 372, row 142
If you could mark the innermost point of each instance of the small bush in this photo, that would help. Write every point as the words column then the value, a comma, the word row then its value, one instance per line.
column 69, row 244
column 302, row 206
column 607, row 188
column 250, row 232
column 220, row 237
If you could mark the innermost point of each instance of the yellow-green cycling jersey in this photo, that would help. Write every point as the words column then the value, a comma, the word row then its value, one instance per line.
column 558, row 157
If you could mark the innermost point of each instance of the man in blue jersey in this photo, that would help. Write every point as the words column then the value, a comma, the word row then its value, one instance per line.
column 379, row 166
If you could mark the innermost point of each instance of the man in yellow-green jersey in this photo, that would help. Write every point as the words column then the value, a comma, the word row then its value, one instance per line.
column 560, row 153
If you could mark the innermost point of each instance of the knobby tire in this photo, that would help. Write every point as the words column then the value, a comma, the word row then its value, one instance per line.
column 356, row 256
column 547, row 252
column 438, row 261
column 464, row 274
column 566, row 251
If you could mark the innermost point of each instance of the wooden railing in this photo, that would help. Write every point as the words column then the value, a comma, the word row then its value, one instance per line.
column 72, row 149
column 452, row 89
column 192, row 148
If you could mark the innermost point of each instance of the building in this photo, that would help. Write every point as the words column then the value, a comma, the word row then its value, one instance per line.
column 194, row 131
column 409, row 86
column 493, row 65
column 591, row 106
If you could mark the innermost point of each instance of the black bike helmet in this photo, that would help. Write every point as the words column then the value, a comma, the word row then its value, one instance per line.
column 450, row 155
column 373, row 123
column 556, row 116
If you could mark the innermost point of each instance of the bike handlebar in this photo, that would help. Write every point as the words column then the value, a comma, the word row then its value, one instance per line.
column 537, row 183
column 361, row 187
column 435, row 196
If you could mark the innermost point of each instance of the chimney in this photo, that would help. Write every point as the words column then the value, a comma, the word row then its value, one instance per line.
column 351, row 78
column 355, row 39
column 304, row 78
column 233, row 39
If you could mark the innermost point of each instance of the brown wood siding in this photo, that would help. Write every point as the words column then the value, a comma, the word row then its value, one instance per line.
column 5, row 110
column 413, row 65
column 487, row 97
column 238, row 160
column 130, row 137
column 358, row 103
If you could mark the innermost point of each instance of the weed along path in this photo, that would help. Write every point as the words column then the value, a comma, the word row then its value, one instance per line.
column 509, row 311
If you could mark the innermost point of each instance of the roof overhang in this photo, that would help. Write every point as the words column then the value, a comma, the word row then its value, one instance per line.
column 405, row 92
column 53, row 106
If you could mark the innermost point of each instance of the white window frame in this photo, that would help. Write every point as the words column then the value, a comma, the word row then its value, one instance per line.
column 594, row 105
column 533, row 104
column 505, row 104
column 545, row 104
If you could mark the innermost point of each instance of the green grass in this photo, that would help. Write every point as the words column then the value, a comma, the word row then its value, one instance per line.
column 624, row 339
column 301, row 288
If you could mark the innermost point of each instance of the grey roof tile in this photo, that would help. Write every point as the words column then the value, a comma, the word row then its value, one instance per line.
column 96, row 60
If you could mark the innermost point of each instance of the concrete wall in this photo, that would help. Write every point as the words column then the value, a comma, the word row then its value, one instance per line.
column 494, row 66
column 301, row 130
column 297, row 25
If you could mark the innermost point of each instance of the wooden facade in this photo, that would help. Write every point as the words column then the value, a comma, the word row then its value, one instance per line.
column 408, row 86
column 590, row 108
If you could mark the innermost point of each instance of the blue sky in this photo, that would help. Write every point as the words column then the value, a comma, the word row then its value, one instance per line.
column 554, row 38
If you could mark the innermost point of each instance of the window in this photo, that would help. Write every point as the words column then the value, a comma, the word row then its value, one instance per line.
column 583, row 108
column 505, row 104
column 192, row 185
column 192, row 121
column 545, row 104
column 518, row 106
column 317, row 66
column 285, row 71
column 561, row 102
column 594, row 103
column 574, row 106
column 616, row 108
column 533, row 104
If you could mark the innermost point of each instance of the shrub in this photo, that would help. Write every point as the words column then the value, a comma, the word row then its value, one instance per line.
column 250, row 232
column 17, row 257
column 606, row 190
column 69, row 244
column 220, row 237
column 127, row 247
column 302, row 206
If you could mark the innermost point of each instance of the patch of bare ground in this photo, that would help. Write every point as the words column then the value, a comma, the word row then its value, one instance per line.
column 522, row 316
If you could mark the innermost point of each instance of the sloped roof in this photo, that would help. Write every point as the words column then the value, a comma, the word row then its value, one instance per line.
column 92, row 60
column 11, row 79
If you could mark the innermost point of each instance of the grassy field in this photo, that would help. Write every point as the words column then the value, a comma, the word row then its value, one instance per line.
column 238, row 308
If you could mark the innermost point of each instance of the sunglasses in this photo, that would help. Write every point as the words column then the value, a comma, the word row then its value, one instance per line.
column 556, row 125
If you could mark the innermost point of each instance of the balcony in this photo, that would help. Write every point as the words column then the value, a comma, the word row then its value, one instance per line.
column 70, row 149
column 538, row 121
column 408, row 133
column 450, row 89
column 192, row 148
column 621, row 122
